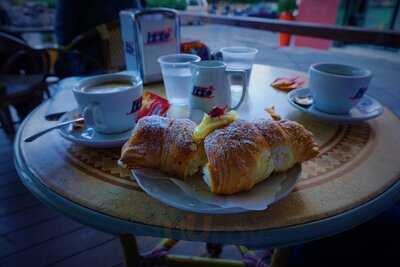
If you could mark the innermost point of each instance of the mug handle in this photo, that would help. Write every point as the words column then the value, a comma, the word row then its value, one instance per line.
column 242, row 73
column 93, row 116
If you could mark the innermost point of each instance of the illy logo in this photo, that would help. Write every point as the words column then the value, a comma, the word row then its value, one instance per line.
column 204, row 92
column 136, row 105
column 359, row 94
column 159, row 36
column 129, row 48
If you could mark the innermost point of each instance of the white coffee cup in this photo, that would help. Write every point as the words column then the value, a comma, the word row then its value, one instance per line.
column 109, row 103
column 337, row 88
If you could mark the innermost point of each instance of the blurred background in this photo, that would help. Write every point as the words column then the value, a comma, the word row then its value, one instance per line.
column 372, row 14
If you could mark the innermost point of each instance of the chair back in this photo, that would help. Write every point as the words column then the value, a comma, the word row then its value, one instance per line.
column 104, row 44
column 17, row 57
column 4, row 17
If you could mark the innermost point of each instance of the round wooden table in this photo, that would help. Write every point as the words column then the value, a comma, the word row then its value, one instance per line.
column 355, row 177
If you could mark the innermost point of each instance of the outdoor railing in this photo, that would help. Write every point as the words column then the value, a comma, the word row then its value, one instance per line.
column 19, row 29
column 386, row 38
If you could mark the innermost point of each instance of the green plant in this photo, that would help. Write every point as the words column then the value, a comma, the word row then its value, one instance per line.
column 175, row 4
column 239, row 1
column 287, row 6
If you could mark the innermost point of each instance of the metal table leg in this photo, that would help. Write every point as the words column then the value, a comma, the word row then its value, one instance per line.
column 131, row 250
column 159, row 256
column 280, row 257
column 214, row 250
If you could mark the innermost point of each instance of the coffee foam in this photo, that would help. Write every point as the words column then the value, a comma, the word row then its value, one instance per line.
column 109, row 87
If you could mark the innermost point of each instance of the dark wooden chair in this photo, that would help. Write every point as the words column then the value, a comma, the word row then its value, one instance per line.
column 100, row 50
column 108, row 40
column 23, row 71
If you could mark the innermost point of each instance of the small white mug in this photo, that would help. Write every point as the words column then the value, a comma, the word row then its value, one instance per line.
column 211, row 85
column 337, row 88
column 109, row 103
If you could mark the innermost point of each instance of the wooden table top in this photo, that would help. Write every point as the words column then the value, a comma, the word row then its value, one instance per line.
column 356, row 165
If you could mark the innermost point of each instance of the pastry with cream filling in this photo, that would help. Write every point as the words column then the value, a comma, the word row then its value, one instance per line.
column 234, row 155
column 246, row 153
column 164, row 144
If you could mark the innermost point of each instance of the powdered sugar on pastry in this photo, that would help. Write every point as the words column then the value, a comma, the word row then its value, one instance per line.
column 235, row 157
column 245, row 153
column 164, row 144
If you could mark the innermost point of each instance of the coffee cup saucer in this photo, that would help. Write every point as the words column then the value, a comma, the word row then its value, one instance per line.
column 88, row 136
column 366, row 109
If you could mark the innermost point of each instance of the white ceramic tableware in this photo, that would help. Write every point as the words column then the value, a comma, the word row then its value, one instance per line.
column 109, row 103
column 87, row 136
column 368, row 108
column 211, row 85
column 194, row 195
column 337, row 88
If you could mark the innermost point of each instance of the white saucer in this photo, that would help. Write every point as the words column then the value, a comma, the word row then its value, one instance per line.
column 366, row 109
column 89, row 137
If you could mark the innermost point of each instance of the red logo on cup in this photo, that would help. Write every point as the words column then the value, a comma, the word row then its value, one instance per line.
column 156, row 37
column 359, row 93
column 203, row 92
column 136, row 105
column 129, row 48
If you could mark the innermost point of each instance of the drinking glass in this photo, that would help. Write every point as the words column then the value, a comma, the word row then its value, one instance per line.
column 177, row 76
column 239, row 58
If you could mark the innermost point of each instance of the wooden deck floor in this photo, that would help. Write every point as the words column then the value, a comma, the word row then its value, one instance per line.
column 32, row 234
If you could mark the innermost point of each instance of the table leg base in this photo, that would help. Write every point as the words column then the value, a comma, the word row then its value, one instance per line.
column 280, row 257
column 158, row 256
column 131, row 250
column 214, row 250
column 190, row 261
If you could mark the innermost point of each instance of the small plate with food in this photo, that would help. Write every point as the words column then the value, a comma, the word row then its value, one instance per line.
column 81, row 134
column 368, row 108
column 222, row 165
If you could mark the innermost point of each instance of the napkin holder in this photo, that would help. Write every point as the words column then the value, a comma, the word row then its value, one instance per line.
column 148, row 34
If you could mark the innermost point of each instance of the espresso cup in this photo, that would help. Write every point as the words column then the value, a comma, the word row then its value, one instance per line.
column 337, row 88
column 109, row 103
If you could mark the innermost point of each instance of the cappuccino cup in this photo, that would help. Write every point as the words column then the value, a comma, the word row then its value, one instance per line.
column 109, row 103
column 337, row 88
